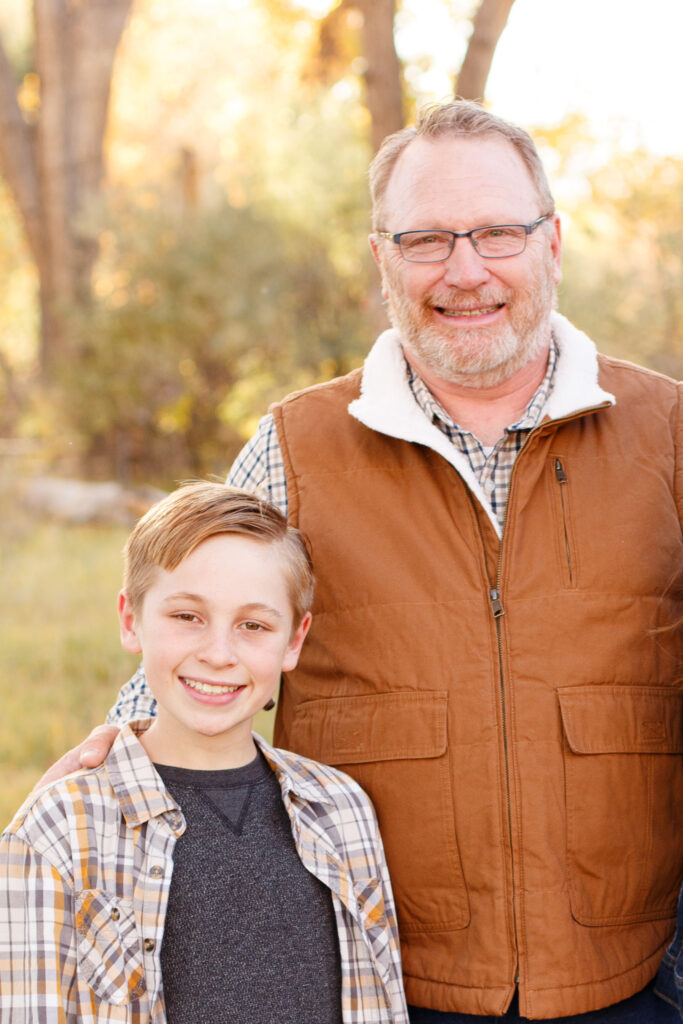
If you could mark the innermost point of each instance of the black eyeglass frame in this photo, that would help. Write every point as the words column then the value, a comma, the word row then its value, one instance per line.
column 528, row 229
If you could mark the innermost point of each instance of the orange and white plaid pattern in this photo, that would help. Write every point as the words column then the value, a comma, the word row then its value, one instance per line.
column 85, row 872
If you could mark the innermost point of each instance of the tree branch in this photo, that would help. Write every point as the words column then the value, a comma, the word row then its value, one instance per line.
column 487, row 27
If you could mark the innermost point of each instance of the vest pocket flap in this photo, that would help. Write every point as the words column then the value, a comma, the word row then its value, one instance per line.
column 622, row 719
column 377, row 727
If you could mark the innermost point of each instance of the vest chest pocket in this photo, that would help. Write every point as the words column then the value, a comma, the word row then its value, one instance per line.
column 108, row 947
column 395, row 746
column 624, row 798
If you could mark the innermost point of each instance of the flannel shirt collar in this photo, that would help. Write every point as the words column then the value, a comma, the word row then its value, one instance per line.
column 142, row 794
column 530, row 418
column 136, row 782
column 294, row 774
column 386, row 403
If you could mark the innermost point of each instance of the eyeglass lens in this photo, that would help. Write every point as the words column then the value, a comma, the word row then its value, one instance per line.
column 428, row 246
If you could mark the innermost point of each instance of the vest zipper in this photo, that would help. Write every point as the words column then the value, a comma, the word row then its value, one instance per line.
column 498, row 611
column 562, row 481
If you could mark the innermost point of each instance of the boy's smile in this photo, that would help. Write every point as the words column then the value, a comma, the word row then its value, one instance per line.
column 215, row 633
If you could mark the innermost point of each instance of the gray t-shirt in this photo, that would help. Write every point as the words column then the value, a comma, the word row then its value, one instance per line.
column 250, row 935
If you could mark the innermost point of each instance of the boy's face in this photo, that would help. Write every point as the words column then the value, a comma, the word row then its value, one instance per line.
column 214, row 633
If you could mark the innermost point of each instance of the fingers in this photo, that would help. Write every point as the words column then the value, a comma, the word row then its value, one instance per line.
column 88, row 754
column 94, row 749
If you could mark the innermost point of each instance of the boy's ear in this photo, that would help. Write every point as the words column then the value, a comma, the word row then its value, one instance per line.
column 129, row 636
column 292, row 653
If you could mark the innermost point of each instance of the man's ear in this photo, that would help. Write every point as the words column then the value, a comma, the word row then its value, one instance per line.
column 374, row 248
column 556, row 247
column 128, row 631
column 292, row 653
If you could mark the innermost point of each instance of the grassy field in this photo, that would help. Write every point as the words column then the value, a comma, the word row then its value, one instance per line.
column 61, row 665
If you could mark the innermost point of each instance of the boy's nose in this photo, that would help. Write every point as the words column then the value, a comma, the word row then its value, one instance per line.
column 217, row 648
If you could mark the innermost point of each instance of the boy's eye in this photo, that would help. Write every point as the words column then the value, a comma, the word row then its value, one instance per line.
column 253, row 627
column 186, row 616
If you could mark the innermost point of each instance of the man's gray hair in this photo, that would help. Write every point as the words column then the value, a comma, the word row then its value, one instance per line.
column 458, row 118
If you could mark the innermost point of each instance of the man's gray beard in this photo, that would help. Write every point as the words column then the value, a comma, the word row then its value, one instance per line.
column 477, row 357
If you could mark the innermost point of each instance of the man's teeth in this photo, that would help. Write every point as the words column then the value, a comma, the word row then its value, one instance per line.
column 209, row 688
column 470, row 312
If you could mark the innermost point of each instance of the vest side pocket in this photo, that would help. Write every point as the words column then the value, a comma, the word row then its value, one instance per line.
column 395, row 744
column 624, row 794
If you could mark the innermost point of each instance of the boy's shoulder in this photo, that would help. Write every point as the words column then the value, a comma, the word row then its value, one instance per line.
column 315, row 781
column 51, row 817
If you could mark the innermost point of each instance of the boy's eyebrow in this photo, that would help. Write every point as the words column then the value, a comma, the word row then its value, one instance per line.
column 183, row 595
column 252, row 606
column 258, row 606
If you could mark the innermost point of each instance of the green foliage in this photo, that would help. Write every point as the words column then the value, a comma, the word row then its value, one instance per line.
column 200, row 318
column 624, row 261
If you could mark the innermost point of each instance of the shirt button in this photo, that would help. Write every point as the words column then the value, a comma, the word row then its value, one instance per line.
column 176, row 823
column 148, row 945
column 156, row 871
column 115, row 914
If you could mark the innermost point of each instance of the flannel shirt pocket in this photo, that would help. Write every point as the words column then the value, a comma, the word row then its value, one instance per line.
column 109, row 953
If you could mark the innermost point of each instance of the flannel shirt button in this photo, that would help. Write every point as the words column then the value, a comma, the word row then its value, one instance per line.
column 148, row 945
column 156, row 871
column 176, row 823
column 139, row 988
column 115, row 914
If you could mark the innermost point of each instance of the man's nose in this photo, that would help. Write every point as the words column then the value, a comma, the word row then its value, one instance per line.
column 465, row 268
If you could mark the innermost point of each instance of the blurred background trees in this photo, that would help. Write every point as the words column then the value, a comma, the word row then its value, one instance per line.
column 183, row 216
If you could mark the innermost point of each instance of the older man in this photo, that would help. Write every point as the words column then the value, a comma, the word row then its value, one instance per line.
column 494, row 512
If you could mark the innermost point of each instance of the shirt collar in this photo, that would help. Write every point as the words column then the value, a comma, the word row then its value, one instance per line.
column 297, row 775
column 530, row 418
column 141, row 792
column 136, row 782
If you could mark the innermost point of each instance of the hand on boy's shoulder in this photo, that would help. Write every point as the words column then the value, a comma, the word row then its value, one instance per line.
column 88, row 754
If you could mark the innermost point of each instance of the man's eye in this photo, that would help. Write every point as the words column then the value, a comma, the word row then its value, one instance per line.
column 416, row 241
column 511, row 231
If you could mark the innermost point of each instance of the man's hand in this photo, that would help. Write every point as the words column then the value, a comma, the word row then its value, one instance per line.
column 88, row 754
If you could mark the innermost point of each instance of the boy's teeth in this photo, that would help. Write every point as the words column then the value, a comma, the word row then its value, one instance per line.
column 209, row 688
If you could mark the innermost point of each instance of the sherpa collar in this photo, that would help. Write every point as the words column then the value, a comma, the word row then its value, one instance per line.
column 387, row 406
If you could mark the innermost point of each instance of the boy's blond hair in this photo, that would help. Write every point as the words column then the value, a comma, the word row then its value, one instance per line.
column 180, row 522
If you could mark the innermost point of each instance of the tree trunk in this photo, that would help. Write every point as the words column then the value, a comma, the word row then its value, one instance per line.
column 383, row 72
column 488, row 25
column 54, row 169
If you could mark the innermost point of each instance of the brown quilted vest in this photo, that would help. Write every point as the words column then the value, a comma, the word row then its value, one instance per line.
column 512, row 709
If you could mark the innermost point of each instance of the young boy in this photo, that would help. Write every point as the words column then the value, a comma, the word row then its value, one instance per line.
column 199, row 875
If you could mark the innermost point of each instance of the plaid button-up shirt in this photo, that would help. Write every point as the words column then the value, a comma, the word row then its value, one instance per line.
column 259, row 467
column 85, row 872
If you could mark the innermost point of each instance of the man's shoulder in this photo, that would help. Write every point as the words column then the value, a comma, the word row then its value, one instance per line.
column 622, row 370
column 347, row 387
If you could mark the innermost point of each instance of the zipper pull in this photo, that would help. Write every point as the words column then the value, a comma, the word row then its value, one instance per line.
column 559, row 472
column 496, row 604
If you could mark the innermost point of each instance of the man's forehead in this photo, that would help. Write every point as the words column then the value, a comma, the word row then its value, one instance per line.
column 470, row 172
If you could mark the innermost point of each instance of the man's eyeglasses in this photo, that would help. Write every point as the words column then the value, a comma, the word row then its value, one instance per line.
column 494, row 242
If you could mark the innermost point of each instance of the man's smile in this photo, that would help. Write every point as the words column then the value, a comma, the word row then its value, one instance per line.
column 477, row 311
